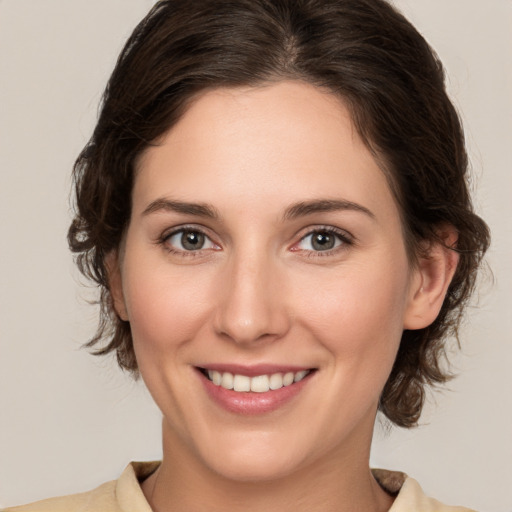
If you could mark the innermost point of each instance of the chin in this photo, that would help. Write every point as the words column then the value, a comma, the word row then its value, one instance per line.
column 254, row 461
column 257, row 469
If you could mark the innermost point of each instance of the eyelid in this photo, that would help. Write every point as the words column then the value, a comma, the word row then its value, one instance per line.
column 346, row 238
column 163, row 239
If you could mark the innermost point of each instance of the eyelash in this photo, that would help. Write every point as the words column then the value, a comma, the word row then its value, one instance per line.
column 166, row 236
column 343, row 237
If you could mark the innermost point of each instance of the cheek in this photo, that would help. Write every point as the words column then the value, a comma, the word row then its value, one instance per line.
column 166, row 307
column 358, row 317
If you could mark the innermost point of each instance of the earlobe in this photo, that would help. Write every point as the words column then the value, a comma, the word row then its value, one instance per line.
column 432, row 277
column 115, row 284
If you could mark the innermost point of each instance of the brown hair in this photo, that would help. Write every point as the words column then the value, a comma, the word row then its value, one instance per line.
column 365, row 52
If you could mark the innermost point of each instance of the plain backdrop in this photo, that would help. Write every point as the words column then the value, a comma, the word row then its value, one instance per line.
column 69, row 421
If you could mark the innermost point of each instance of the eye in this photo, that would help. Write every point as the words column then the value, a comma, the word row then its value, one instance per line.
column 189, row 240
column 322, row 240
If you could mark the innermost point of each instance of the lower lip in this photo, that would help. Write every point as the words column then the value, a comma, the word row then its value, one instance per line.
column 250, row 403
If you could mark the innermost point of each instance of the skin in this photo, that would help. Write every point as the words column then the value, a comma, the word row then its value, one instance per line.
column 258, row 291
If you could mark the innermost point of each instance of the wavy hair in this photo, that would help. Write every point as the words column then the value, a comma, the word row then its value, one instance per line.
column 363, row 51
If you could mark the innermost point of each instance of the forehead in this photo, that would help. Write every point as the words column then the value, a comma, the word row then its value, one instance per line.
column 285, row 142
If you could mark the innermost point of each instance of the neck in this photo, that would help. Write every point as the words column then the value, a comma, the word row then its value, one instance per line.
column 338, row 482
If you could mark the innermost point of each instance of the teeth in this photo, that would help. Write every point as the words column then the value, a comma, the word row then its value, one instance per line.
column 241, row 383
column 215, row 377
column 258, row 384
column 276, row 381
column 227, row 380
column 300, row 375
column 288, row 378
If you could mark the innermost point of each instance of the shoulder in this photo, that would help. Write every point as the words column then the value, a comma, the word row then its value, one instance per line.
column 409, row 496
column 101, row 498
column 122, row 495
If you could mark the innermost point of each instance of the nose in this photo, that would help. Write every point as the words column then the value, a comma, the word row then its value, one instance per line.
column 251, row 307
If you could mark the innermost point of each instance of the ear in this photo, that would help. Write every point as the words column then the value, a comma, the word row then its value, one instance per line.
column 115, row 284
column 431, row 278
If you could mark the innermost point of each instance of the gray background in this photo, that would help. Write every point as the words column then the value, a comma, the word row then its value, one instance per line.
column 69, row 421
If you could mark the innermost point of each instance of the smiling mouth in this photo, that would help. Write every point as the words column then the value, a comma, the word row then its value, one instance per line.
column 256, row 384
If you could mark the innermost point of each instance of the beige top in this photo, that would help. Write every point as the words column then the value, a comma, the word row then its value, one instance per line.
column 125, row 495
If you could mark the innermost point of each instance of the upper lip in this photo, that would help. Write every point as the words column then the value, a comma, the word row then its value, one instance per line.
column 253, row 370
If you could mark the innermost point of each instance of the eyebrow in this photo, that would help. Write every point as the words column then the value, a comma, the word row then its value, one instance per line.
column 301, row 209
column 168, row 205
column 305, row 208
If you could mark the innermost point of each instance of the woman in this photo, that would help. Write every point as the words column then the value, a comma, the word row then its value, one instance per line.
column 275, row 208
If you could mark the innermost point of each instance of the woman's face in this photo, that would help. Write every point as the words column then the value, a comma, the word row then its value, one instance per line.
column 264, row 246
